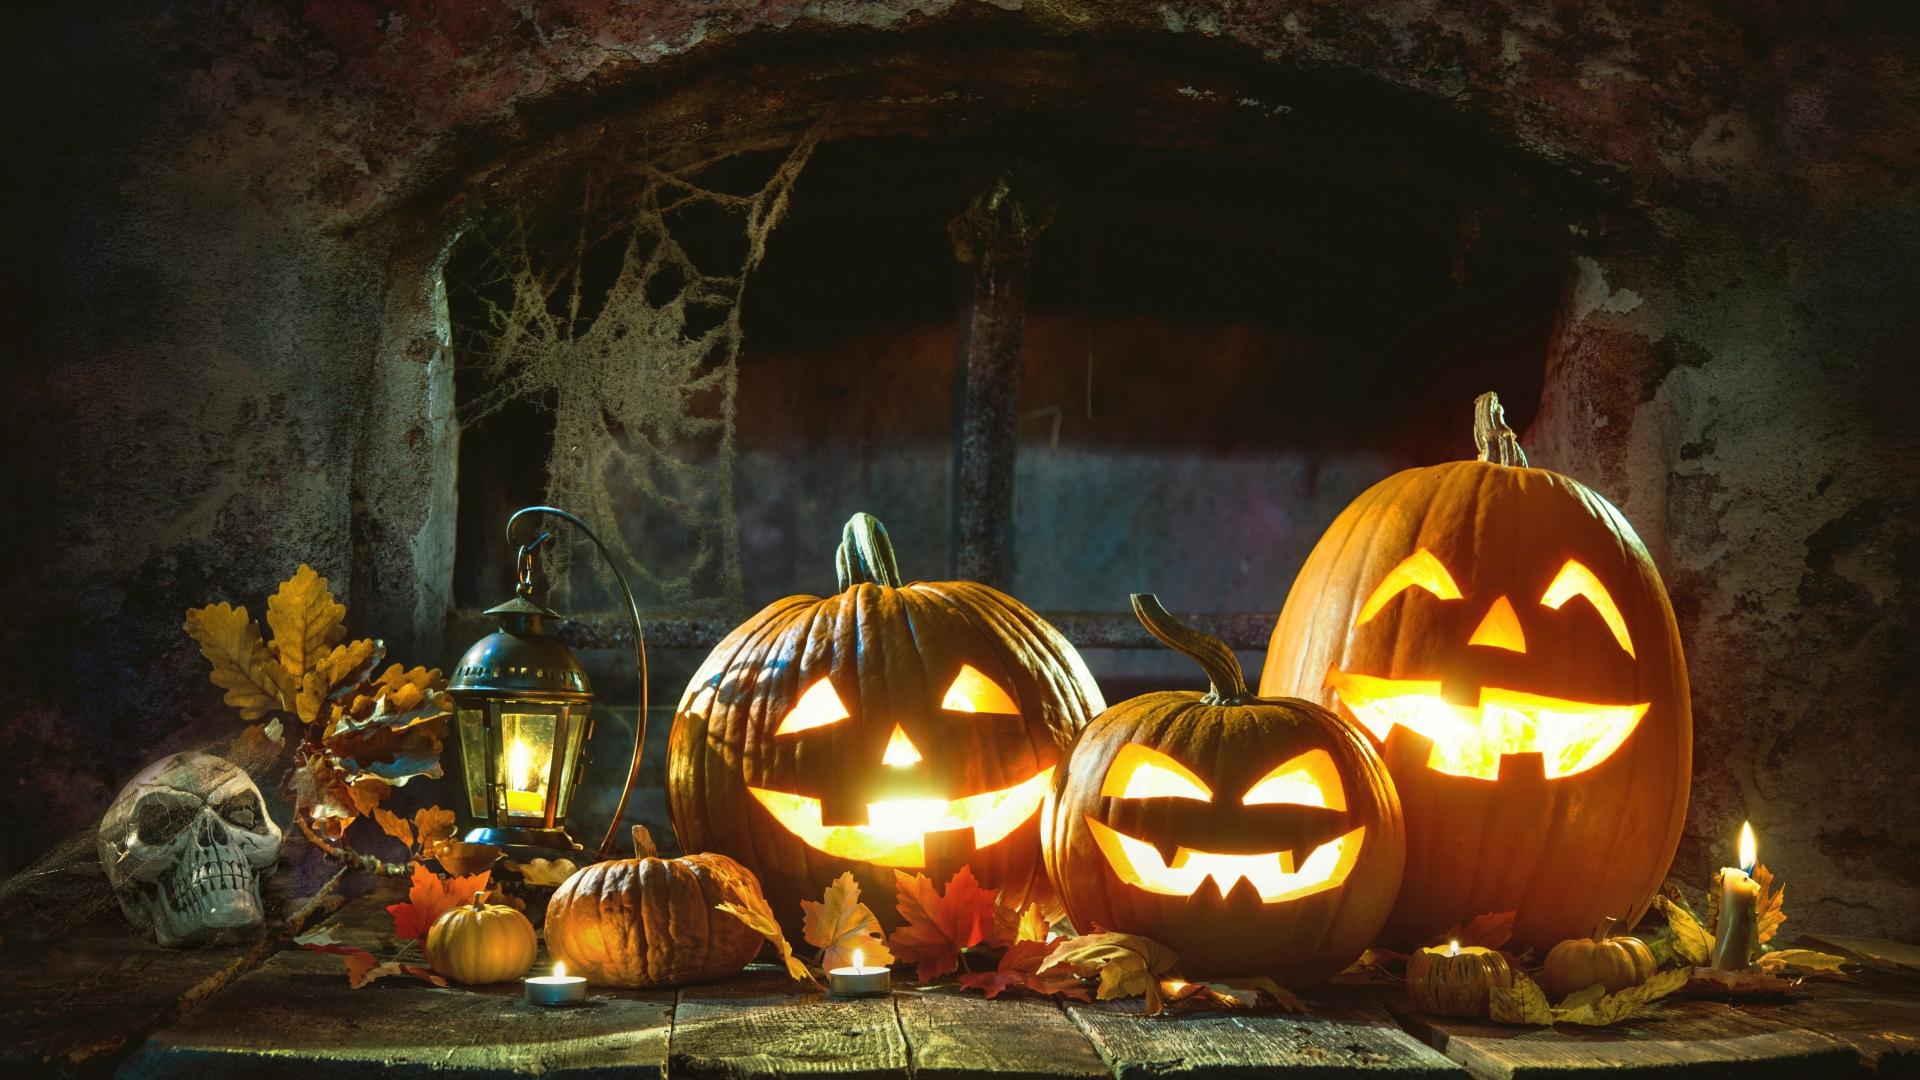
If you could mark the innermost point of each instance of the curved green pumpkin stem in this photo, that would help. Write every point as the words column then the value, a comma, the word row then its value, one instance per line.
column 1491, row 433
column 1221, row 665
column 865, row 555
column 1605, row 929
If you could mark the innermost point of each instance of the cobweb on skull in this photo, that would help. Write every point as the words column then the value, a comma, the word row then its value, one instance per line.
column 614, row 303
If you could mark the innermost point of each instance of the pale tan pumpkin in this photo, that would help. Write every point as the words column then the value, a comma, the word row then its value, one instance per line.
column 648, row 921
column 481, row 943
column 1445, row 982
column 1614, row 962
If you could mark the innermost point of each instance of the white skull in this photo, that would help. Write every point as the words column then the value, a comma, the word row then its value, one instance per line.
column 185, row 846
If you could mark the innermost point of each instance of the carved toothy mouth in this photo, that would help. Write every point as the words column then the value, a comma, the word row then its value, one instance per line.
column 1469, row 740
column 1272, row 874
column 896, row 830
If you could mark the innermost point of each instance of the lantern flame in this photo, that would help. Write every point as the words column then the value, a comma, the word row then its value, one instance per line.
column 1749, row 847
column 520, row 766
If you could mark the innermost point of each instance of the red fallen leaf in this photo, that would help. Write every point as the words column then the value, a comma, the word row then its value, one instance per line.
column 1020, row 967
column 431, row 897
column 363, row 967
column 1489, row 931
column 939, row 925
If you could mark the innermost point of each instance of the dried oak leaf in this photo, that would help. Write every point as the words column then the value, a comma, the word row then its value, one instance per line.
column 840, row 926
column 397, row 739
column 429, row 897
column 553, row 872
column 1804, row 963
column 1748, row 982
column 340, row 673
column 362, row 966
column 1489, row 931
column 1020, row 968
column 435, row 828
column 1690, row 942
column 255, row 682
column 1769, row 908
column 306, row 622
column 754, row 911
column 940, row 924
column 1376, row 966
column 1128, row 964
column 1230, row 994
column 394, row 825
column 322, row 796
column 1525, row 1003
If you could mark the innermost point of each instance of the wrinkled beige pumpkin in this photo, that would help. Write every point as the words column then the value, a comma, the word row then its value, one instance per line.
column 649, row 921
column 1614, row 962
column 481, row 943
column 1448, row 983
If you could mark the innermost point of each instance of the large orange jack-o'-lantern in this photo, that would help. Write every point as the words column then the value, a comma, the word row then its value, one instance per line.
column 1500, row 631
column 889, row 726
column 1251, row 836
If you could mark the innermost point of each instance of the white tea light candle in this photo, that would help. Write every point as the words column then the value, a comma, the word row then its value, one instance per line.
column 859, row 980
column 558, row 988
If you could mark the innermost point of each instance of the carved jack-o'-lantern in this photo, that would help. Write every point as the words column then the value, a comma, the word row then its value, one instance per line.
column 1252, row 836
column 1501, row 632
column 889, row 726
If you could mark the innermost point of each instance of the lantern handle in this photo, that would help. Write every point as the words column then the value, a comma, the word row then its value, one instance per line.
column 639, row 642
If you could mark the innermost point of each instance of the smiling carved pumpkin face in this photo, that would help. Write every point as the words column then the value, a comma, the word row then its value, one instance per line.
column 1502, row 635
column 1251, row 836
column 887, row 727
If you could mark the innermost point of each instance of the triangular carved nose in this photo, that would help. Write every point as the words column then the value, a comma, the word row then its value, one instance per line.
column 1500, row 629
column 900, row 749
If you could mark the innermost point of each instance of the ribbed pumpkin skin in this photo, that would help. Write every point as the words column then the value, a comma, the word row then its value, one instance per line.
column 1567, row 852
column 1614, row 962
column 651, row 922
column 1301, row 942
column 891, row 653
column 1455, row 985
column 479, row 943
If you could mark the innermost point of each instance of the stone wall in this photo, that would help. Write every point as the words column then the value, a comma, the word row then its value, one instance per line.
column 227, row 332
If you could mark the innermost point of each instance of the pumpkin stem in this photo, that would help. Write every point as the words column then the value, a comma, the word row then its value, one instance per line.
column 479, row 899
column 1605, row 929
column 1221, row 665
column 643, row 845
column 1491, row 433
column 865, row 554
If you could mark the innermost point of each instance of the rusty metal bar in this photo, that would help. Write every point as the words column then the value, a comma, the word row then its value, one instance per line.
column 993, row 237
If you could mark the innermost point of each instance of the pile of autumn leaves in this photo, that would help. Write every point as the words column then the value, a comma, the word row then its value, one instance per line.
column 947, row 931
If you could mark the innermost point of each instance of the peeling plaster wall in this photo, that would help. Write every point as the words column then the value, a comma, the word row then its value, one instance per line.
column 229, row 338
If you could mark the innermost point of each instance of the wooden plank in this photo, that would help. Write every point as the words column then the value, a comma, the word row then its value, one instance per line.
column 951, row 1034
column 1345, row 1035
column 761, row 1024
column 297, row 1016
column 1882, row 1028
column 1878, row 952
column 1684, row 1038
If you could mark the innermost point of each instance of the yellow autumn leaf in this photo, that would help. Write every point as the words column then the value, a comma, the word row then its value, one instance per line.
column 753, row 911
column 1800, row 962
column 554, row 872
column 306, row 622
column 1613, row 1008
column 435, row 827
column 394, row 825
column 1691, row 942
column 840, row 925
column 1523, row 1002
column 1769, row 909
column 1128, row 964
column 345, row 665
column 242, row 666
column 1033, row 925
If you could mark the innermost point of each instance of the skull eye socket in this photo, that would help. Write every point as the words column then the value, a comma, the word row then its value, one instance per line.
column 817, row 707
column 1419, row 570
column 975, row 693
column 1574, row 579
column 1312, row 779
column 1141, row 773
column 243, row 811
column 163, row 815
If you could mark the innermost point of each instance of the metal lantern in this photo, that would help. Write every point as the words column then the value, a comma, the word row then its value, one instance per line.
column 522, row 705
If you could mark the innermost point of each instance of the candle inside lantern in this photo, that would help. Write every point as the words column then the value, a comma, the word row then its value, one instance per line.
column 1738, row 933
column 525, row 786
column 859, row 980
column 558, row 988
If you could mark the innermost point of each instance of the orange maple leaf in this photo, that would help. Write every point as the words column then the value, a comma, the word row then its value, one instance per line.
column 939, row 925
column 840, row 926
column 1020, row 967
column 1770, row 909
column 430, row 897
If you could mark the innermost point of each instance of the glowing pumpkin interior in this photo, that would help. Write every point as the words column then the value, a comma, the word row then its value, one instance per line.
column 1310, row 779
column 1470, row 739
column 895, row 831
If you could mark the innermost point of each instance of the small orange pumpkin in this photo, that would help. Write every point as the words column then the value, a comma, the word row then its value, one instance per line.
column 1614, row 962
column 481, row 943
column 648, row 921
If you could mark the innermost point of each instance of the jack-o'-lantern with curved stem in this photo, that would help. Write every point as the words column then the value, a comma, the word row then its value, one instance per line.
column 1252, row 836
column 890, row 726
column 1503, row 636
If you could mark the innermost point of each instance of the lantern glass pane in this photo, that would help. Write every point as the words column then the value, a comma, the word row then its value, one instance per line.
column 573, row 733
column 473, row 756
column 526, row 760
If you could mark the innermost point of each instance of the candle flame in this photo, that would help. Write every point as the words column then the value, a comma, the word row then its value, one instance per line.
column 560, row 969
column 520, row 766
column 1749, row 848
column 1453, row 947
column 859, row 959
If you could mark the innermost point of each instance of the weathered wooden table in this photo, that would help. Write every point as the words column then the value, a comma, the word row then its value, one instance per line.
column 111, row 1005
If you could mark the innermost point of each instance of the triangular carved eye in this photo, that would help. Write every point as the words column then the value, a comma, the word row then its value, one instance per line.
column 818, row 707
column 975, row 693
column 1312, row 779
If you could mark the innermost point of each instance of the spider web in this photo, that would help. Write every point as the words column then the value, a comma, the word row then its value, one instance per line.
column 616, row 305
